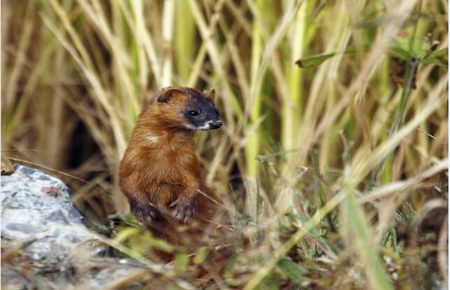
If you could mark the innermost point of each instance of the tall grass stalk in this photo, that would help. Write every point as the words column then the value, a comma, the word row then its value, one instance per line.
column 357, row 226
column 253, row 104
column 11, row 119
column 184, row 38
column 292, row 105
column 167, row 26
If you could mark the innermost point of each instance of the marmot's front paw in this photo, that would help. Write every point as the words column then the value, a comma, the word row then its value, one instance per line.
column 184, row 208
column 145, row 211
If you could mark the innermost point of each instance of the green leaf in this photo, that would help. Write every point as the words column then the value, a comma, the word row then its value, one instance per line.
column 314, row 60
column 271, row 282
column 291, row 269
column 438, row 57
column 317, row 59
column 201, row 255
column 162, row 245
column 173, row 286
column 354, row 216
column 405, row 48
column 400, row 53
column 126, row 234
column 181, row 262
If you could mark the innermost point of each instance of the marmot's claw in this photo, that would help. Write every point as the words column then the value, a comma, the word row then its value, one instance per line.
column 184, row 209
column 144, row 211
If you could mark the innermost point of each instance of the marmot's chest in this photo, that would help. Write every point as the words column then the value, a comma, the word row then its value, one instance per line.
column 173, row 165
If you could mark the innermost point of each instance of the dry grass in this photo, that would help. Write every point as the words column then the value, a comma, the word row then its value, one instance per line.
column 344, row 169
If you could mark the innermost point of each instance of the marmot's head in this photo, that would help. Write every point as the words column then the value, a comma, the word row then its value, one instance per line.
column 187, row 108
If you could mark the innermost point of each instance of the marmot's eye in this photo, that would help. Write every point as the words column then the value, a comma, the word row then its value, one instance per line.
column 193, row 113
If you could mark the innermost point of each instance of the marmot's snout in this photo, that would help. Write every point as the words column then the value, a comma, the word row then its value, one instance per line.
column 216, row 124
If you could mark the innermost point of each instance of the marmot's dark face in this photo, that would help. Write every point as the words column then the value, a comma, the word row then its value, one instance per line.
column 186, row 108
column 202, row 114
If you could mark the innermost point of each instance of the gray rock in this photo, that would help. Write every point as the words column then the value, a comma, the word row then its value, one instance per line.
column 39, row 218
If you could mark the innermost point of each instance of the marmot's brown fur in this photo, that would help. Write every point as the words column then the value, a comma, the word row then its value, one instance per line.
column 160, row 173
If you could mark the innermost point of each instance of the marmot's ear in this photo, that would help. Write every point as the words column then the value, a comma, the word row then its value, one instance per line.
column 166, row 94
column 211, row 94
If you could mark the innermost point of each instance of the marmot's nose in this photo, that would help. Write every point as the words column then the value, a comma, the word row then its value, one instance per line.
column 216, row 124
